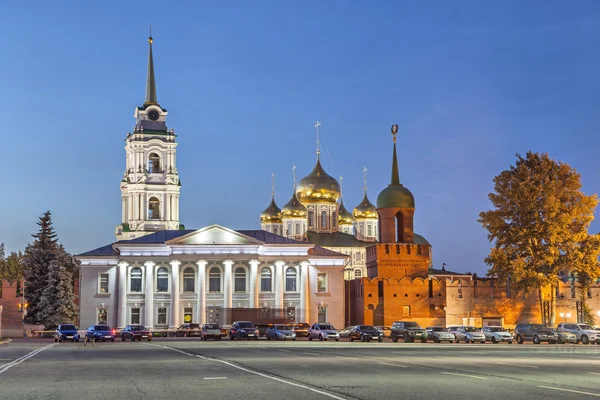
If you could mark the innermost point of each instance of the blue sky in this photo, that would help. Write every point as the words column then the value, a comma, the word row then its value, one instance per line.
column 469, row 85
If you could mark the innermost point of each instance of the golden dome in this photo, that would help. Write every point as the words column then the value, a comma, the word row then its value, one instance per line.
column 365, row 210
column 345, row 218
column 318, row 187
column 294, row 209
column 271, row 214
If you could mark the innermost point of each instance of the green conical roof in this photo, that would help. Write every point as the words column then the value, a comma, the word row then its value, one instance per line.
column 395, row 195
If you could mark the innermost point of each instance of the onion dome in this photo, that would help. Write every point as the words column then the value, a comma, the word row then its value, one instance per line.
column 365, row 210
column 395, row 195
column 318, row 187
column 294, row 209
column 345, row 218
column 271, row 214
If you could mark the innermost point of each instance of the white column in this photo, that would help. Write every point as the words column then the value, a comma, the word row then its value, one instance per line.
column 149, row 304
column 279, row 284
column 201, row 309
column 227, row 292
column 304, row 292
column 175, row 293
column 122, row 311
column 123, row 209
column 253, row 281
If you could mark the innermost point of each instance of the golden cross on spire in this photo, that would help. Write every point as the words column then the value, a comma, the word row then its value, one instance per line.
column 341, row 186
column 273, row 184
column 150, row 37
column 394, row 131
column 294, row 175
column 318, row 144
column 365, row 177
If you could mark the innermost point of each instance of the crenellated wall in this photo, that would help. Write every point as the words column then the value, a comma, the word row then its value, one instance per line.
column 398, row 260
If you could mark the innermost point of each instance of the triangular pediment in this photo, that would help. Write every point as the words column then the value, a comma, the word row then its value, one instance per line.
column 214, row 235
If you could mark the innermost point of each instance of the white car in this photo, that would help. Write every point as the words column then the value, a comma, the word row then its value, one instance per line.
column 585, row 333
column 469, row 334
column 323, row 331
column 497, row 334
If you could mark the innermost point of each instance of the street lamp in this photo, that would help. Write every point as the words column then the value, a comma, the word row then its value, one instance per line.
column 565, row 316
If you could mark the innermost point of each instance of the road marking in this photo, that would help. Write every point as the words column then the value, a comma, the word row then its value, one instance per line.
column 27, row 356
column 214, row 377
column 287, row 351
column 261, row 374
column 170, row 348
column 468, row 376
column 346, row 357
column 312, row 354
column 393, row 365
column 569, row 390
column 518, row 365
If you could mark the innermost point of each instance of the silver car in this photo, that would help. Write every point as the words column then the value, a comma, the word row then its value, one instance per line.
column 585, row 333
column 497, row 334
column 323, row 331
column 439, row 334
column 469, row 334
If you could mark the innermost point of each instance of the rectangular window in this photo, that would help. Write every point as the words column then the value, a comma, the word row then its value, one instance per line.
column 406, row 310
column 103, row 281
column 322, row 282
column 162, row 316
column 187, row 315
column 135, row 315
column 291, row 314
column 322, row 314
column 102, row 316
column 240, row 282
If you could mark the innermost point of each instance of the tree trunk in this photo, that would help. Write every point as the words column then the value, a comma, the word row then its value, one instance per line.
column 553, row 305
column 541, row 298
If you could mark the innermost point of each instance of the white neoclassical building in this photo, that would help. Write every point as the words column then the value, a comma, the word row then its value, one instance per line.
column 210, row 275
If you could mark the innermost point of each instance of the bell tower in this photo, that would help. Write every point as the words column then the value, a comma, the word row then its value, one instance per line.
column 150, row 185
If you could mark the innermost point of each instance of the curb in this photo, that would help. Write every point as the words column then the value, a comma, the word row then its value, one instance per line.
column 5, row 341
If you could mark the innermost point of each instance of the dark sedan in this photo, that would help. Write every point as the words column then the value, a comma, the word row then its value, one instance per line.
column 187, row 330
column 100, row 332
column 365, row 333
column 66, row 331
column 243, row 330
column 136, row 332
column 210, row 331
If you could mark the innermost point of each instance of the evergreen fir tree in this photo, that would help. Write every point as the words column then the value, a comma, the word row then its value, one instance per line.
column 38, row 257
column 58, row 297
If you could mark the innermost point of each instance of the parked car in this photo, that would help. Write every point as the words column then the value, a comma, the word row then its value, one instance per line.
column 497, row 334
column 136, row 332
column 280, row 332
column 536, row 333
column 365, row 333
column 66, row 331
column 100, row 332
column 243, row 329
column 387, row 331
column 301, row 329
column 469, row 334
column 439, row 334
column 344, row 333
column 408, row 331
column 323, row 331
column 565, row 337
column 187, row 330
column 210, row 331
column 584, row 333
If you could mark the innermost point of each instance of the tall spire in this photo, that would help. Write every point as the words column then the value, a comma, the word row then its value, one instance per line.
column 395, row 176
column 150, row 83
column 272, row 185
column 294, row 176
column 365, row 178
column 318, row 144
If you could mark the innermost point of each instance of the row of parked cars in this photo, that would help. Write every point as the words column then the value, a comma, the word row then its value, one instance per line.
column 407, row 331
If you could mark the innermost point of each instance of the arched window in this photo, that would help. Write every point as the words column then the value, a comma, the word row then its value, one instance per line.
column 153, row 208
column 297, row 228
column 369, row 230
column 265, row 280
column 214, row 280
column 323, row 219
column 358, row 273
column 135, row 280
column 361, row 230
column 289, row 229
column 311, row 218
column 333, row 219
column 188, row 280
column 240, row 280
column 275, row 230
column 290, row 279
column 154, row 163
column 162, row 280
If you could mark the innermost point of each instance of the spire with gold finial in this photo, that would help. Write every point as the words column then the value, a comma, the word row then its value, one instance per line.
column 395, row 195
column 150, row 83
column 272, row 214
column 365, row 210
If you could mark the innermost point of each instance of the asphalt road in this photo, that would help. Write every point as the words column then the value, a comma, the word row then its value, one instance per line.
column 268, row 370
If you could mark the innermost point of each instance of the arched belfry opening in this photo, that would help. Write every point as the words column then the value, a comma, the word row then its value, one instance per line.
column 399, row 227
column 153, row 209
column 154, row 163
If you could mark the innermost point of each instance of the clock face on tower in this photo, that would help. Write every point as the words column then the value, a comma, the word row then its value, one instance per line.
column 153, row 115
